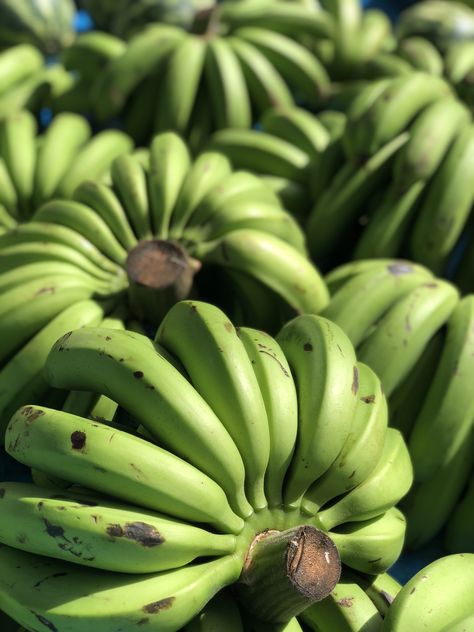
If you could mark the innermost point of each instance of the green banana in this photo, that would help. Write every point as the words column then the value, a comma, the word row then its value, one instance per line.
column 362, row 448
column 323, row 363
column 437, row 597
column 388, row 483
column 279, row 396
column 191, row 330
column 54, row 441
column 103, row 601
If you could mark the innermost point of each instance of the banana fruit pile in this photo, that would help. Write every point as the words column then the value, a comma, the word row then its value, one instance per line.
column 215, row 437
column 151, row 520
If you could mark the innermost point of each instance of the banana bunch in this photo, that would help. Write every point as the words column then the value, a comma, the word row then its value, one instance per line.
column 34, row 167
column 404, row 187
column 241, row 440
column 284, row 152
column 412, row 329
column 438, row 598
column 244, row 59
column 24, row 80
column 157, row 233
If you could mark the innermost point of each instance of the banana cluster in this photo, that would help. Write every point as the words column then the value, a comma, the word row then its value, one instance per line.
column 248, row 59
column 35, row 168
column 72, row 256
column 404, row 188
column 231, row 433
column 413, row 330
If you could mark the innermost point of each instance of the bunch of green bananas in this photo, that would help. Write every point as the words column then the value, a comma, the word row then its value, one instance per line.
column 439, row 598
column 248, row 59
column 35, row 168
column 160, row 206
column 415, row 332
column 404, row 188
column 234, row 433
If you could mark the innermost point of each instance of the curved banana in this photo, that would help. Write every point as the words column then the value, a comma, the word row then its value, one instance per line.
column 193, row 330
column 93, row 531
column 33, row 589
column 229, row 97
column 447, row 204
column 183, row 74
column 60, row 145
column 437, row 597
column 273, row 262
column 302, row 70
column 170, row 163
column 388, row 483
column 362, row 448
column 136, row 471
column 279, row 395
column 327, row 380
column 266, row 86
column 129, row 180
column 401, row 335
column 373, row 545
column 447, row 416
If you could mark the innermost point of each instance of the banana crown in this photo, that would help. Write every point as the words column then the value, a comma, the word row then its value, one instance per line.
column 207, row 445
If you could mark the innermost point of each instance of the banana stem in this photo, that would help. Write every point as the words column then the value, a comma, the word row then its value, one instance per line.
column 160, row 274
column 287, row 571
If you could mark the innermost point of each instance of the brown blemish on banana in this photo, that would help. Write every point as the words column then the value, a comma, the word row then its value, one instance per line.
column 375, row 561
column 32, row 413
column 355, row 380
column 143, row 621
column 308, row 346
column 54, row 530
column 368, row 399
column 346, row 602
column 78, row 440
column 61, row 342
column 45, row 290
column 141, row 532
column 229, row 327
column 138, row 375
column 157, row 606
